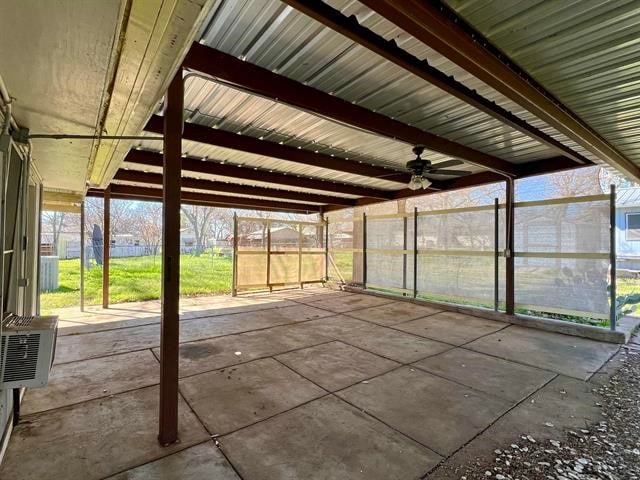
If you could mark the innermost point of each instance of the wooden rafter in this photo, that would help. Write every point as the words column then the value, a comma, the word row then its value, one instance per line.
column 261, row 81
column 245, row 143
column 197, row 198
column 190, row 164
column 224, row 187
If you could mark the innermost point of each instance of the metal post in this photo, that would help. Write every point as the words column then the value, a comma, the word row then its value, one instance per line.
column 234, row 286
column 300, row 240
column 22, row 266
column 39, row 260
column 5, row 151
column 415, row 252
column 169, row 327
column 268, row 227
column 106, row 247
column 364, row 250
column 82, row 255
column 326, row 249
column 496, row 256
column 509, row 253
column 404, row 255
column 612, row 257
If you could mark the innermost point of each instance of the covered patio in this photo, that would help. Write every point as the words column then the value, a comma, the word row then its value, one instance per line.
column 331, row 120
column 298, row 382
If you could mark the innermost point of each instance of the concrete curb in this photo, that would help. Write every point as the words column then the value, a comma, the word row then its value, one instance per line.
column 626, row 326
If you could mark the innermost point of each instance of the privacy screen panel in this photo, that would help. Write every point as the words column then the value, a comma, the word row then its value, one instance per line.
column 457, row 255
column 562, row 256
column 345, row 251
column 389, row 244
column 278, row 252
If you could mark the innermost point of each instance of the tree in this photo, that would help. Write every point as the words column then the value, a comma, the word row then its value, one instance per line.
column 221, row 226
column 123, row 217
column 57, row 222
column 148, row 217
column 199, row 219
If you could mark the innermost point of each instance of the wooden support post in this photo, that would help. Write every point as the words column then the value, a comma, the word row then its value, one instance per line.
column 82, row 255
column 106, row 247
column 300, row 241
column 326, row 249
column 234, row 286
column 496, row 256
column 612, row 252
column 169, row 327
column 268, row 227
column 415, row 252
column 509, row 253
column 404, row 256
column 364, row 250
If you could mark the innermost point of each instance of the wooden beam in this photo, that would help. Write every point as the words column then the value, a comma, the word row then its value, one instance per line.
column 196, row 198
column 388, row 49
column 170, row 296
column 538, row 167
column 106, row 247
column 547, row 165
column 261, row 81
column 245, row 143
column 509, row 253
column 190, row 164
column 436, row 26
column 82, row 253
column 156, row 179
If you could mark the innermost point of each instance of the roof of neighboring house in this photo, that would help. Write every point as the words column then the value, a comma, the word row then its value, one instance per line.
column 628, row 197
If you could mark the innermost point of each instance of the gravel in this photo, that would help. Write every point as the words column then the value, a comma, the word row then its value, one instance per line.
column 607, row 450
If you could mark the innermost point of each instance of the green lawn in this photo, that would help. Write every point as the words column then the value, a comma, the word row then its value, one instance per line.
column 627, row 286
column 137, row 278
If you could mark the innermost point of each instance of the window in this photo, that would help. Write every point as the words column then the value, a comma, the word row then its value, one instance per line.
column 633, row 226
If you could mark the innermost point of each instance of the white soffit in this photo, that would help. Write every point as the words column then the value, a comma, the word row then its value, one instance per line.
column 89, row 68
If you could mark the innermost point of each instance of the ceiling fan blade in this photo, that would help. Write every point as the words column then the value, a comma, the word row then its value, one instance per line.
column 447, row 164
column 391, row 174
column 453, row 173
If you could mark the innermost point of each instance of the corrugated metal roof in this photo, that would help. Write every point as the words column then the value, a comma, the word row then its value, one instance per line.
column 388, row 30
column 275, row 36
column 272, row 35
column 586, row 53
column 223, row 107
column 213, row 192
column 238, row 181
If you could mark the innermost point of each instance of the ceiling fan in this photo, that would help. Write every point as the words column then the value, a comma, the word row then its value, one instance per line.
column 422, row 170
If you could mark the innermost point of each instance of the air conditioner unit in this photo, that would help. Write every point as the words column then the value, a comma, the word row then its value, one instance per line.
column 27, row 348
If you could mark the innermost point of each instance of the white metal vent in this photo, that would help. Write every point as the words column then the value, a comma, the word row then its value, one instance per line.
column 22, row 358
column 19, row 321
column 28, row 345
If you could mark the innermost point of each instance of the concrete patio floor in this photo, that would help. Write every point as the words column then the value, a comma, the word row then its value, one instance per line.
column 311, row 384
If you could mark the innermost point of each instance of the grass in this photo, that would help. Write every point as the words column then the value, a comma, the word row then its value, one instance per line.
column 627, row 286
column 136, row 279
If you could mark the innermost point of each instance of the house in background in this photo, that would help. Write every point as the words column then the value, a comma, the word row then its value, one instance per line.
column 628, row 228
